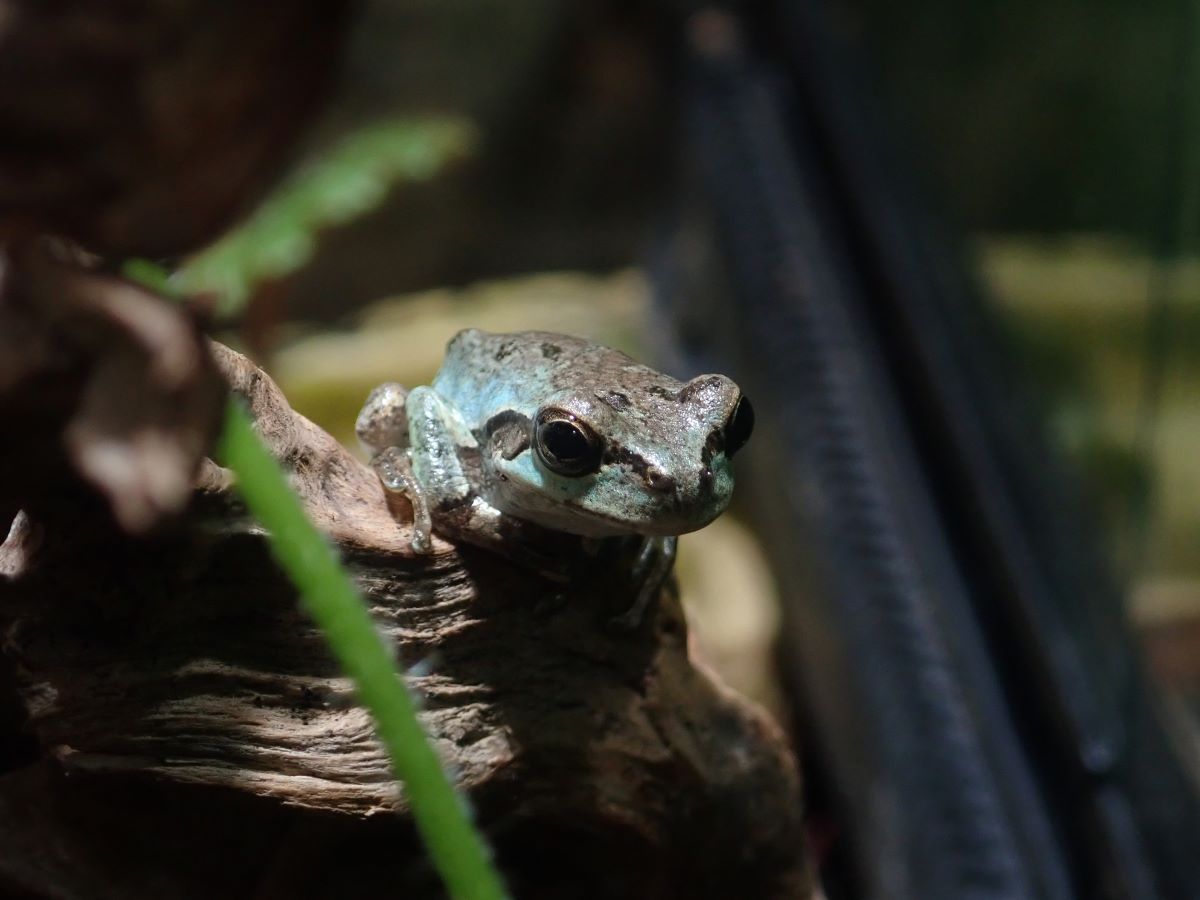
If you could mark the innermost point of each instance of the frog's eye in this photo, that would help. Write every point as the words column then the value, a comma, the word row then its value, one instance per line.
column 566, row 445
column 739, row 427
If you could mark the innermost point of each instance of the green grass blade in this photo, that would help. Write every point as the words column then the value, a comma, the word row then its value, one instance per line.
column 278, row 238
column 441, row 816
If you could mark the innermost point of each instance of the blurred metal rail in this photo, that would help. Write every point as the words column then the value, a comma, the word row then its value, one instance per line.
column 959, row 648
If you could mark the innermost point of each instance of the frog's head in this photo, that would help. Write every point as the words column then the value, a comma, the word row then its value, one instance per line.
column 644, row 455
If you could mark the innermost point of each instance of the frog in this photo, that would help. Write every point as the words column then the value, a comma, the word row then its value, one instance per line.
column 526, row 435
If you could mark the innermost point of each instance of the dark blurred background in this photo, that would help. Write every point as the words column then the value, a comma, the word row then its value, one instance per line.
column 1059, row 137
column 544, row 164
column 1062, row 138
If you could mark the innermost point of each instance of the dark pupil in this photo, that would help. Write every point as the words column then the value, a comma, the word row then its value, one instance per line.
column 741, row 423
column 565, row 442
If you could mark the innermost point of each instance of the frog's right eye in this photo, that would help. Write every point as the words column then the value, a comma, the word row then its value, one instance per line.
column 739, row 426
column 565, row 444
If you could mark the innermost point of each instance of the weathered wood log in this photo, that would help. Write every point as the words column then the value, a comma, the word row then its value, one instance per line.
column 199, row 741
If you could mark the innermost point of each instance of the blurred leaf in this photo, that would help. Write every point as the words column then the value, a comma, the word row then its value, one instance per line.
column 348, row 181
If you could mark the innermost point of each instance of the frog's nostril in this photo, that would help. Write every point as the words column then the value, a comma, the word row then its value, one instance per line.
column 706, row 478
column 658, row 480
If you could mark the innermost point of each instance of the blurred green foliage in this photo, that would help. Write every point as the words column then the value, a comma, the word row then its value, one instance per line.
column 334, row 188
column 1074, row 313
column 1050, row 121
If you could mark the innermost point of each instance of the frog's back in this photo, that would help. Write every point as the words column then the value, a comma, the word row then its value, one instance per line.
column 484, row 374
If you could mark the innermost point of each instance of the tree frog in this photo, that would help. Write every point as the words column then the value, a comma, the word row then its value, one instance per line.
column 527, row 433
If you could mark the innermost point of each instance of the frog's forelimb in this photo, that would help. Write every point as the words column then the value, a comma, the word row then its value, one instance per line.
column 653, row 565
column 415, row 437
column 417, row 441
column 395, row 472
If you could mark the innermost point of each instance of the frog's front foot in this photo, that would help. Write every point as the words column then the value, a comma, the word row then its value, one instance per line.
column 395, row 471
column 654, row 561
column 550, row 554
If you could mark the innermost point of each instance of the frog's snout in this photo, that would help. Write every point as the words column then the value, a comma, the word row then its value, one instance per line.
column 700, row 496
column 659, row 481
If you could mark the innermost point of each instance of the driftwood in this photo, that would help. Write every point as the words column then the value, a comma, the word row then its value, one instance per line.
column 196, row 740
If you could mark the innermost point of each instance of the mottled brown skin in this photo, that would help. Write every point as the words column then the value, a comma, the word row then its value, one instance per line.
column 662, row 466
column 527, row 436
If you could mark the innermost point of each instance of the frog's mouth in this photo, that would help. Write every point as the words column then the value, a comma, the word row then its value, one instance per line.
column 574, row 517
column 600, row 506
column 593, row 523
column 661, row 524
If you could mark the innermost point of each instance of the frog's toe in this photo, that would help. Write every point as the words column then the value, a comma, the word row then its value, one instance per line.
column 394, row 469
column 650, row 572
column 421, row 543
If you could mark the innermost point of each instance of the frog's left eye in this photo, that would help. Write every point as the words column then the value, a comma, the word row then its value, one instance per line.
column 565, row 444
